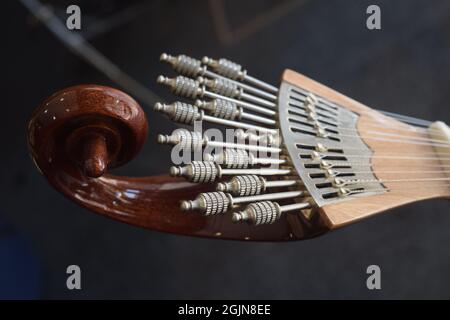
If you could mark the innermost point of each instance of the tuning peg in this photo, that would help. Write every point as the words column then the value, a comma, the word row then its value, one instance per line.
column 180, row 112
column 231, row 158
column 197, row 171
column 208, row 203
column 219, row 202
column 209, row 171
column 234, row 71
column 245, row 185
column 184, row 64
column 265, row 212
column 222, row 86
column 182, row 86
column 228, row 110
column 226, row 68
column 220, row 108
column 187, row 140
column 249, row 185
column 192, row 140
column 240, row 159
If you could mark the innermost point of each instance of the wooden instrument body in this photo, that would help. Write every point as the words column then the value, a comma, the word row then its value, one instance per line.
column 58, row 140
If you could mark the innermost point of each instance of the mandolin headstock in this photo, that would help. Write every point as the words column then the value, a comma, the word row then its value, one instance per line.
column 288, row 163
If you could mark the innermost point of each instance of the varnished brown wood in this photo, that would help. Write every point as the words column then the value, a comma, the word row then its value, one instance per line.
column 340, row 214
column 81, row 131
column 94, row 155
column 440, row 131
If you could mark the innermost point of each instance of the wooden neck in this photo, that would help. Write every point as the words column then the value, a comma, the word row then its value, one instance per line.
column 439, row 131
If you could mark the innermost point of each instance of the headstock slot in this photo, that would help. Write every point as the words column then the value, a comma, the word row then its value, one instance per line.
column 319, row 151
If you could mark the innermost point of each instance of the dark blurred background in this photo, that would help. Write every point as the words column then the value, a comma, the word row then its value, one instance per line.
column 404, row 68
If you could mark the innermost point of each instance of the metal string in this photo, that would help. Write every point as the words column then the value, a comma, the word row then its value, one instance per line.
column 339, row 125
column 404, row 141
column 391, row 134
column 330, row 108
column 345, row 163
column 375, row 156
column 353, row 181
column 446, row 145
column 379, row 121
column 356, row 191
column 397, row 172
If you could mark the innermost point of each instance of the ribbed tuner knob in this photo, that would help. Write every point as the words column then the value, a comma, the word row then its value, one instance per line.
column 220, row 108
column 185, row 65
column 226, row 68
column 180, row 112
column 182, row 86
column 209, row 203
column 231, row 158
column 187, row 140
column 246, row 185
column 197, row 171
column 264, row 212
column 222, row 86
